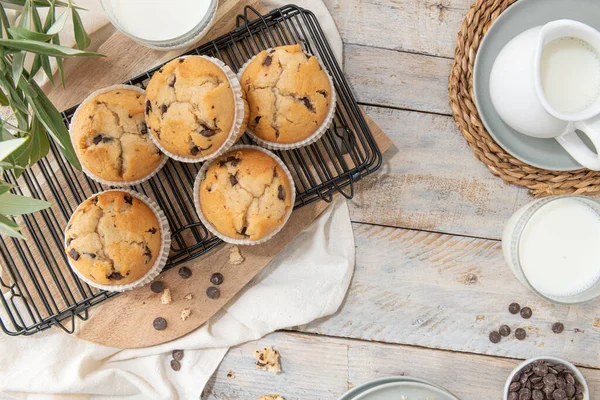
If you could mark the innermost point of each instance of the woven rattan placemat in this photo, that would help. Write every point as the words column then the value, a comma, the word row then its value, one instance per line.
column 540, row 182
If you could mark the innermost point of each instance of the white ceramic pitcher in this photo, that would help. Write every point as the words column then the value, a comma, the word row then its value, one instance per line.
column 518, row 96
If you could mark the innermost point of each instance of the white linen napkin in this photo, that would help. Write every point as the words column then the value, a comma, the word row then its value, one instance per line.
column 306, row 281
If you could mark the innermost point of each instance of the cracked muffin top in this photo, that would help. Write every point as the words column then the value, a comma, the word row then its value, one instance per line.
column 190, row 107
column 245, row 194
column 111, row 138
column 113, row 238
column 288, row 93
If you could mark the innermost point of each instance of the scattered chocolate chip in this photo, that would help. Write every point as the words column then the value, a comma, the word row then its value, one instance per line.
column 115, row 276
column 281, row 192
column 243, row 231
column 213, row 293
column 207, row 132
column 194, row 150
column 160, row 71
column 558, row 327
column 216, row 278
column 74, row 254
column 268, row 60
column 148, row 107
column 128, row 199
column 520, row 333
column 172, row 81
column 177, row 355
column 271, row 51
column 152, row 230
column 175, row 365
column 495, row 337
column 504, row 330
column 256, row 120
column 69, row 240
column 157, row 286
column 144, row 128
column 185, row 272
column 95, row 200
column 277, row 133
column 163, row 109
column 514, row 308
column 97, row 139
column 230, row 159
column 107, row 139
column 90, row 255
column 148, row 254
column 322, row 93
column 160, row 324
column 181, row 60
column 308, row 104
column 233, row 180
column 526, row 312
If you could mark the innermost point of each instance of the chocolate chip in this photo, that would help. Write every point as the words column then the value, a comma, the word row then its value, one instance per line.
column 216, row 278
column 281, row 192
column 525, row 394
column 175, row 365
column 163, row 109
column 69, row 240
column 152, row 230
column 558, row 327
column 90, row 255
column 537, row 395
column 308, row 104
column 515, row 386
column 268, row 60
column 185, row 272
column 322, row 93
column 495, row 337
column 256, row 120
column 570, row 379
column 143, row 128
column 230, row 159
column 160, row 71
column 520, row 333
column 74, row 254
column 157, row 286
column 177, row 355
column 526, row 312
column 160, row 324
column 194, row 150
column 550, row 379
column 128, row 199
column 107, row 139
column 115, row 276
column 277, row 133
column 559, row 394
column 207, row 131
column 97, row 139
column 181, row 60
column 570, row 389
column 148, row 254
column 541, row 369
column 172, row 81
column 95, row 200
column 148, row 107
column 514, row 308
column 504, row 330
column 561, row 383
column 233, row 180
column 213, row 293
column 513, row 396
column 243, row 231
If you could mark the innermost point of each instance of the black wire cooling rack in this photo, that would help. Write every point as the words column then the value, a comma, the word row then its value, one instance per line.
column 42, row 291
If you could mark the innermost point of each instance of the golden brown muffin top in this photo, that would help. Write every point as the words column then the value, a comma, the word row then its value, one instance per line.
column 113, row 238
column 245, row 194
column 111, row 138
column 190, row 107
column 288, row 93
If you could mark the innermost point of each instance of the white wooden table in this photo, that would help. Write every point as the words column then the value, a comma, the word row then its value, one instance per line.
column 430, row 281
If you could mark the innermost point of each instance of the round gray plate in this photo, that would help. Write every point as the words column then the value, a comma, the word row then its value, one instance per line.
column 521, row 16
column 352, row 394
column 410, row 390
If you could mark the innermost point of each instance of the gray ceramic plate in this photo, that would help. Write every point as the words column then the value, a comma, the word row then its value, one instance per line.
column 523, row 15
column 405, row 390
column 359, row 390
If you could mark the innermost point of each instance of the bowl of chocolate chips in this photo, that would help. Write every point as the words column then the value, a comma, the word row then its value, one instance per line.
column 546, row 378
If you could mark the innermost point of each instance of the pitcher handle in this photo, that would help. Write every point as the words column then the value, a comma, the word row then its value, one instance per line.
column 577, row 148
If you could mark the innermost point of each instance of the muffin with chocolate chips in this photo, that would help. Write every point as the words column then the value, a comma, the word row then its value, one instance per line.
column 111, row 139
column 117, row 240
column 195, row 108
column 244, row 196
column 290, row 95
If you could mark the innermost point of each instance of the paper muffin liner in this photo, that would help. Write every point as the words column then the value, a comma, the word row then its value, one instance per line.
column 89, row 173
column 320, row 130
column 212, row 229
column 240, row 117
column 161, row 259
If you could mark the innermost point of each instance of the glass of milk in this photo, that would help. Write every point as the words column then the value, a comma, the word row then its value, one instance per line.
column 552, row 246
column 162, row 24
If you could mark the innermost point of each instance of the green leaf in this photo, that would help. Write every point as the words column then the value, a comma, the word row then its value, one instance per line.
column 21, row 155
column 25, row 15
column 40, row 145
column 35, row 66
column 59, row 24
column 23, row 33
column 13, row 204
column 3, row 99
column 40, row 3
column 47, row 68
column 52, row 121
column 81, row 36
column 17, row 65
column 9, row 146
column 46, row 49
column 13, row 96
column 4, row 19
column 50, row 17
column 5, row 187
column 9, row 227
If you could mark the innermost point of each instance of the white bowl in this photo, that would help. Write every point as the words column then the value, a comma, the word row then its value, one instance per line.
column 576, row 373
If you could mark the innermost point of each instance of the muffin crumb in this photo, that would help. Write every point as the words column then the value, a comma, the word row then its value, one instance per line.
column 185, row 313
column 231, row 374
column 267, row 359
column 166, row 297
column 271, row 397
column 235, row 256
column 189, row 296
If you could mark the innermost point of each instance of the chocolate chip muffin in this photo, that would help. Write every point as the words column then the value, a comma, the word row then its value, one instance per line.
column 195, row 108
column 289, row 95
column 245, row 194
column 111, row 139
column 113, row 238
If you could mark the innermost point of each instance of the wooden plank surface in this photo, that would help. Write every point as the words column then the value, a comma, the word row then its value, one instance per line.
column 323, row 368
column 449, row 292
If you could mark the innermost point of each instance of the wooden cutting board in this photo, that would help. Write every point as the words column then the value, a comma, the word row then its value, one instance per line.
column 125, row 321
